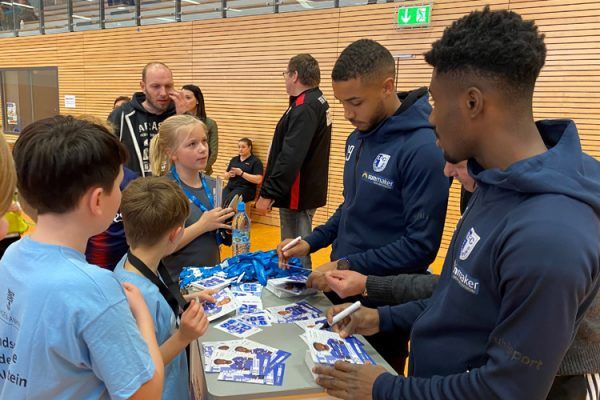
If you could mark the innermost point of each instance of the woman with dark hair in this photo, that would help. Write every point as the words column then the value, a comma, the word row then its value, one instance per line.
column 195, row 106
column 244, row 173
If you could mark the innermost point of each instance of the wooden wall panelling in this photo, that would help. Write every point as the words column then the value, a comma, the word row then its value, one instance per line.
column 238, row 64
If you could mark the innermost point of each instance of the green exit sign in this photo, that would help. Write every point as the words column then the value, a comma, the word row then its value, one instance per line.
column 414, row 15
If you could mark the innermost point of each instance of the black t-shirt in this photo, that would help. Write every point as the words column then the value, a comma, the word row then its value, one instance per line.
column 251, row 165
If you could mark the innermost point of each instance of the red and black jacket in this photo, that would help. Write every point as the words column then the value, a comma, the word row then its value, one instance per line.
column 298, row 164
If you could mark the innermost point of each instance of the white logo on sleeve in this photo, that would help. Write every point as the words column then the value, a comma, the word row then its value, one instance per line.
column 468, row 244
column 380, row 162
column 349, row 152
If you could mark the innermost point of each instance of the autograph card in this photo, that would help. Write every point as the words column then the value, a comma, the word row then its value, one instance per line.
column 253, row 288
column 294, row 312
column 328, row 347
column 311, row 323
column 212, row 282
column 259, row 318
column 224, row 304
column 248, row 304
column 237, row 327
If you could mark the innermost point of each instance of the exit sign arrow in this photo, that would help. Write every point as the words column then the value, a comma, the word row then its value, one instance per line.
column 414, row 16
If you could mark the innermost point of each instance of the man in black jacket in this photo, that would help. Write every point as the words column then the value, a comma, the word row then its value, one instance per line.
column 137, row 121
column 298, row 163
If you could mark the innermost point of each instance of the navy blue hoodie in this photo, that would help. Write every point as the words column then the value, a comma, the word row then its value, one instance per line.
column 395, row 195
column 521, row 270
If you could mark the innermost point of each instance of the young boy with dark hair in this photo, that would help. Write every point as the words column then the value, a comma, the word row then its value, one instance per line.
column 154, row 211
column 66, row 326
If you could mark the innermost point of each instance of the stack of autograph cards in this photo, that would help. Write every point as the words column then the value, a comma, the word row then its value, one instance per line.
column 326, row 348
column 224, row 304
column 289, row 286
column 293, row 312
column 245, row 361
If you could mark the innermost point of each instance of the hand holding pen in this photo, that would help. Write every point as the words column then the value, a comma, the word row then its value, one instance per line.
column 291, row 248
column 362, row 321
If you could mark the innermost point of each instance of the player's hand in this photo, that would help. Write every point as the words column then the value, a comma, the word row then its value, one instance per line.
column 346, row 283
column 204, row 296
column 348, row 381
column 316, row 280
column 214, row 219
column 364, row 321
column 263, row 206
column 193, row 322
column 301, row 249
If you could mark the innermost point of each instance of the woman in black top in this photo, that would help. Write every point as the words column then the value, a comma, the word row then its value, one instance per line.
column 244, row 173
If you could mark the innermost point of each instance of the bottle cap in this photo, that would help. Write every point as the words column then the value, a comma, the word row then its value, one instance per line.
column 241, row 207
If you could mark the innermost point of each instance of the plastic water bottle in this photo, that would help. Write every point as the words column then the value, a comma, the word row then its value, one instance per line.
column 240, row 227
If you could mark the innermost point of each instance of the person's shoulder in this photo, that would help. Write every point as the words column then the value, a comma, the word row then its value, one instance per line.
column 210, row 123
column 148, row 289
column 553, row 239
column 93, row 280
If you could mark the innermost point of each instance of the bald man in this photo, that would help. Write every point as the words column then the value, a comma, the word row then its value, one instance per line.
column 137, row 121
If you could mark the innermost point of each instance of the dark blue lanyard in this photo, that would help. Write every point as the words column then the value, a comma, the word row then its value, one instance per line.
column 193, row 197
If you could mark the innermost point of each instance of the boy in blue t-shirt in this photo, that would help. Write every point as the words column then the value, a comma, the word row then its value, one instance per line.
column 68, row 330
column 154, row 212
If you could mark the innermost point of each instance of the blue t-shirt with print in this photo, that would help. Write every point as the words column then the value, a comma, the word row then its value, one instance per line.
column 176, row 372
column 66, row 330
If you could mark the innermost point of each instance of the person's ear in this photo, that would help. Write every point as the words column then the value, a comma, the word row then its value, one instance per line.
column 389, row 87
column 143, row 86
column 474, row 102
column 175, row 234
column 172, row 155
column 93, row 199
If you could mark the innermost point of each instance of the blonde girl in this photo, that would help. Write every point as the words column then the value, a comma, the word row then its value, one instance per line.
column 180, row 151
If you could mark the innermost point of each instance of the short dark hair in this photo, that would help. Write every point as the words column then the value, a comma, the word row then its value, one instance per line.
column 494, row 44
column 121, row 98
column 153, row 64
column 201, row 109
column 247, row 141
column 151, row 207
column 307, row 67
column 59, row 158
column 364, row 58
